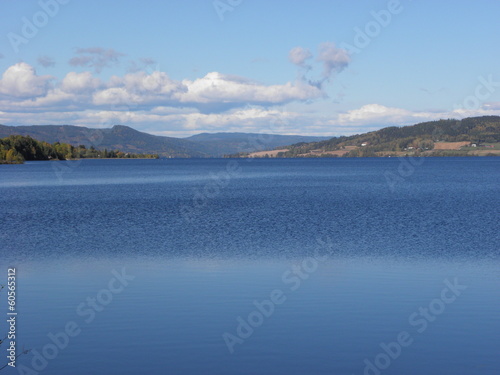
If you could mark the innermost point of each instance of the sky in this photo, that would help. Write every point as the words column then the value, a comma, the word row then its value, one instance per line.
column 182, row 67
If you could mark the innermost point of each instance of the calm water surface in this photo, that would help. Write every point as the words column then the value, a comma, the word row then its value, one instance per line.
column 322, row 266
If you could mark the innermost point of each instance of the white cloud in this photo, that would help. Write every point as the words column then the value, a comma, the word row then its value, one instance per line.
column 251, row 117
column 138, row 88
column 377, row 115
column 216, row 102
column 20, row 81
column 179, row 122
column 80, row 83
column 115, row 96
column 373, row 113
column 155, row 83
column 142, row 100
column 219, row 88
column 23, row 89
column 380, row 115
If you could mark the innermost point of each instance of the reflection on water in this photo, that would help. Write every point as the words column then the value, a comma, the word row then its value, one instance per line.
column 291, row 267
column 185, row 315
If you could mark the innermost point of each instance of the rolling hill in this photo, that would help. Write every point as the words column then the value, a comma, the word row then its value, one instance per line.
column 119, row 137
column 227, row 143
column 127, row 139
column 470, row 136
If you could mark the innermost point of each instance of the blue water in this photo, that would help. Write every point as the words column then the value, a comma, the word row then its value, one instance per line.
column 298, row 266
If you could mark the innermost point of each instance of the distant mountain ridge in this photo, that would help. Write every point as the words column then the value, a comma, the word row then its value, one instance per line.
column 228, row 143
column 470, row 136
column 127, row 139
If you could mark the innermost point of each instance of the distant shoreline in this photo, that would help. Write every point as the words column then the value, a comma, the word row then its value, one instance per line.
column 264, row 158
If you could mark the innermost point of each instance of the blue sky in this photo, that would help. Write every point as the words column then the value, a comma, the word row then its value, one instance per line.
column 178, row 68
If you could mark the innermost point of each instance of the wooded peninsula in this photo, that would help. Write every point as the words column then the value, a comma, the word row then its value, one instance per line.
column 16, row 149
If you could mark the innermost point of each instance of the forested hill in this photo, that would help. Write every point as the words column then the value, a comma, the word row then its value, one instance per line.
column 16, row 149
column 470, row 136
column 118, row 137
column 434, row 138
column 130, row 140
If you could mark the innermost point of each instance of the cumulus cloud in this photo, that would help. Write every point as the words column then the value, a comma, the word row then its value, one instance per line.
column 380, row 115
column 376, row 114
column 213, row 93
column 80, row 83
column 233, row 90
column 46, row 61
column 214, row 102
column 298, row 56
column 157, row 82
column 96, row 58
column 180, row 123
column 138, row 88
column 241, row 119
column 21, row 81
column 174, row 121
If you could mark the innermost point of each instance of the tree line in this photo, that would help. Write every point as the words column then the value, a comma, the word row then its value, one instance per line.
column 16, row 149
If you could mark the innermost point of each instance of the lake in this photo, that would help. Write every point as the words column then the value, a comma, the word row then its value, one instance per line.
column 253, row 266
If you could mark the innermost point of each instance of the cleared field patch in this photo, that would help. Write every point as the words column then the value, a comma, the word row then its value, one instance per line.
column 450, row 145
column 341, row 152
column 262, row 154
